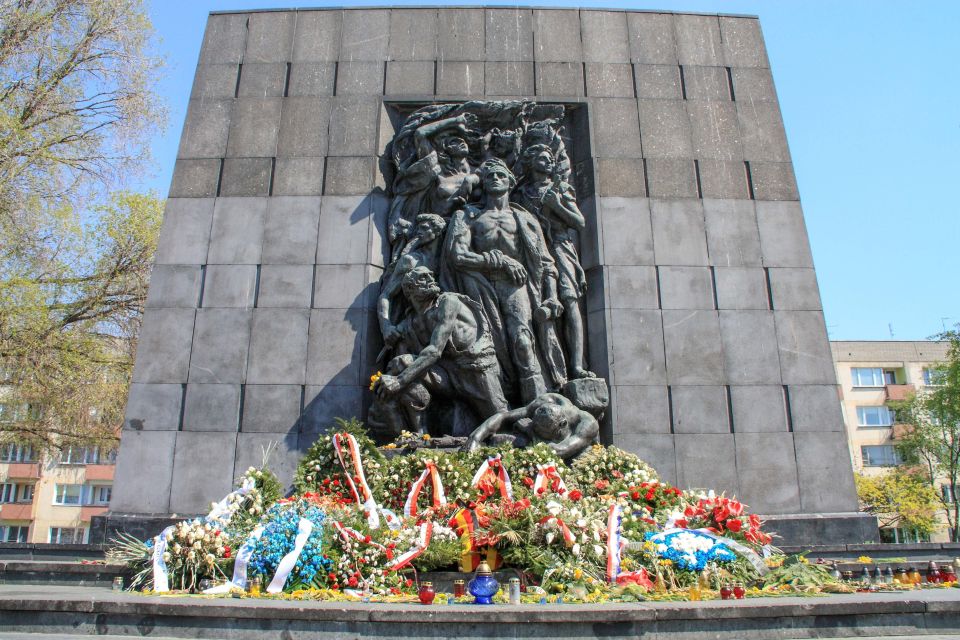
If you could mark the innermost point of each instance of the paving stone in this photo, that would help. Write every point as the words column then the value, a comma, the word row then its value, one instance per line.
column 609, row 80
column 413, row 78
column 657, row 450
column 753, row 85
column 665, row 129
column 700, row 409
column 619, row 247
column 460, row 78
column 743, row 44
column 697, row 462
column 271, row 408
column 679, row 237
column 461, row 35
column 278, row 346
column 760, row 457
column 174, row 286
column 317, row 36
column 632, row 287
column 761, row 128
column 344, row 286
column 224, row 39
column 641, row 409
column 604, row 36
column 671, row 178
column 311, row 79
column 741, row 288
column 805, row 356
column 237, row 231
column 413, row 34
column 185, row 232
column 783, row 235
column 212, row 407
column 289, row 234
column 732, row 236
column 815, row 408
column 298, row 177
column 559, row 79
column 202, row 470
column 262, row 80
column 706, row 83
column 195, row 178
column 758, row 409
column 246, row 177
column 509, row 78
column 556, row 35
column 795, row 289
column 205, row 129
column 750, row 348
column 153, row 407
column 353, row 126
column 230, row 285
column 270, row 36
column 220, row 346
column 823, row 466
column 725, row 179
column 285, row 286
column 698, row 40
column 652, row 38
column 621, row 177
column 349, row 176
column 635, row 338
column 617, row 127
column 692, row 345
column 254, row 125
column 344, row 230
column 365, row 35
column 213, row 81
column 164, row 346
column 284, row 456
column 334, row 346
column 773, row 181
column 658, row 81
column 714, row 130
column 509, row 34
column 685, row 288
column 139, row 492
column 303, row 127
column 324, row 404
column 360, row 77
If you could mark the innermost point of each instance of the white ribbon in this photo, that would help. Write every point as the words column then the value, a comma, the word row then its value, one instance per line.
column 223, row 511
column 287, row 563
column 239, row 580
column 160, row 581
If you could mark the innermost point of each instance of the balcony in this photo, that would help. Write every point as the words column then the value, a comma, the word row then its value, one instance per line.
column 99, row 472
column 89, row 511
column 23, row 471
column 17, row 511
column 898, row 392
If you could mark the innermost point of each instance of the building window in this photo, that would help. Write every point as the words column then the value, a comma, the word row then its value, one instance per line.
column 87, row 455
column 17, row 453
column 100, row 494
column 13, row 492
column 881, row 455
column 946, row 493
column 867, row 377
column 934, row 377
column 67, row 535
column 14, row 532
column 68, row 494
column 902, row 536
column 874, row 416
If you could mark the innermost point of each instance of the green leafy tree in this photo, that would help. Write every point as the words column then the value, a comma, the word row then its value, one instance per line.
column 899, row 498
column 932, row 437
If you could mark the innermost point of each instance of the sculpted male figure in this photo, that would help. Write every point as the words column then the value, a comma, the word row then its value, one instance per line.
column 551, row 418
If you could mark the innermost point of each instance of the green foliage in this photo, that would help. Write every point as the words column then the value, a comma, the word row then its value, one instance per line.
column 797, row 571
column 320, row 471
column 899, row 498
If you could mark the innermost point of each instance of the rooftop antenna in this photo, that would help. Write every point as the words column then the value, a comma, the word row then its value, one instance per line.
column 890, row 327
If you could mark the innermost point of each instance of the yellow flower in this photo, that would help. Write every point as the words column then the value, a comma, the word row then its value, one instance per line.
column 426, row 436
column 577, row 574
column 374, row 378
column 865, row 560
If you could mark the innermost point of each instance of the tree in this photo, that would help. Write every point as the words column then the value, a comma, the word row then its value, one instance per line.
column 932, row 438
column 900, row 499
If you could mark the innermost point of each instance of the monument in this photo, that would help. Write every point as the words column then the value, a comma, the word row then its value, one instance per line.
column 530, row 224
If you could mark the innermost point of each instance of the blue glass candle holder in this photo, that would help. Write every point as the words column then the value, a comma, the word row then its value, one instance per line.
column 484, row 585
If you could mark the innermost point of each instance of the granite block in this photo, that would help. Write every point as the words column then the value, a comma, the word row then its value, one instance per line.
column 773, row 181
column 632, row 287
column 317, row 36
column 599, row 354
column 413, row 34
column 195, row 178
column 163, row 346
column 455, row 78
column 237, row 231
column 303, row 127
column 665, row 129
column 761, row 128
column 652, row 39
column 509, row 78
column 377, row 246
column 212, row 407
column 700, row 409
column 153, row 407
column 324, row 404
column 229, row 285
column 620, row 248
column 224, row 39
column 706, row 83
column 598, row 284
column 714, row 130
column 220, row 345
column 410, row 77
column 823, row 466
column 604, row 36
column 753, row 85
column 697, row 462
column 349, row 176
column 783, row 235
column 616, row 127
column 271, row 408
column 213, row 81
column 685, row 288
column 270, row 37
column 693, row 349
column 671, row 178
column 725, row 179
column 741, row 288
column 298, row 177
column 461, row 35
column 636, row 339
column 591, row 237
column 750, row 350
column 174, row 286
column 202, row 470
column 343, row 236
column 761, row 457
column 743, row 44
column 758, row 409
column 246, row 177
column 622, row 177
column 285, row 286
column 254, row 125
column 732, row 236
column 805, row 356
column 698, row 40
column 360, row 77
column 278, row 346
column 138, row 492
column 185, row 232
column 679, row 237
column 509, row 34
column 206, row 129
column 559, row 79
column 353, row 126
column 311, row 79
column 365, row 35
column 556, row 35
column 657, row 450
column 285, row 454
column 641, row 409
column 795, row 289
column 344, row 286
column 262, row 80
column 334, row 346
column 658, row 81
column 815, row 408
column 609, row 80
column 290, row 230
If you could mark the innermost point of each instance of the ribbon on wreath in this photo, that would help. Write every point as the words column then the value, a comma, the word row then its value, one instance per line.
column 347, row 533
column 439, row 498
column 239, row 580
column 363, row 495
column 613, row 543
column 493, row 471
column 221, row 512
column 547, row 475
column 423, row 541
column 466, row 522
column 160, row 581
column 568, row 538
column 289, row 561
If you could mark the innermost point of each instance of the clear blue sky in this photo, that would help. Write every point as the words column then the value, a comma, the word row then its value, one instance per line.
column 870, row 94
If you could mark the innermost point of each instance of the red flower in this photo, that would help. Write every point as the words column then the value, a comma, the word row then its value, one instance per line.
column 575, row 495
column 352, row 582
column 528, row 481
column 735, row 507
column 754, row 521
column 226, row 553
column 332, row 577
column 734, row 525
column 680, row 523
column 367, row 539
column 601, row 484
column 721, row 514
column 409, row 583
column 635, row 495
column 617, row 473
